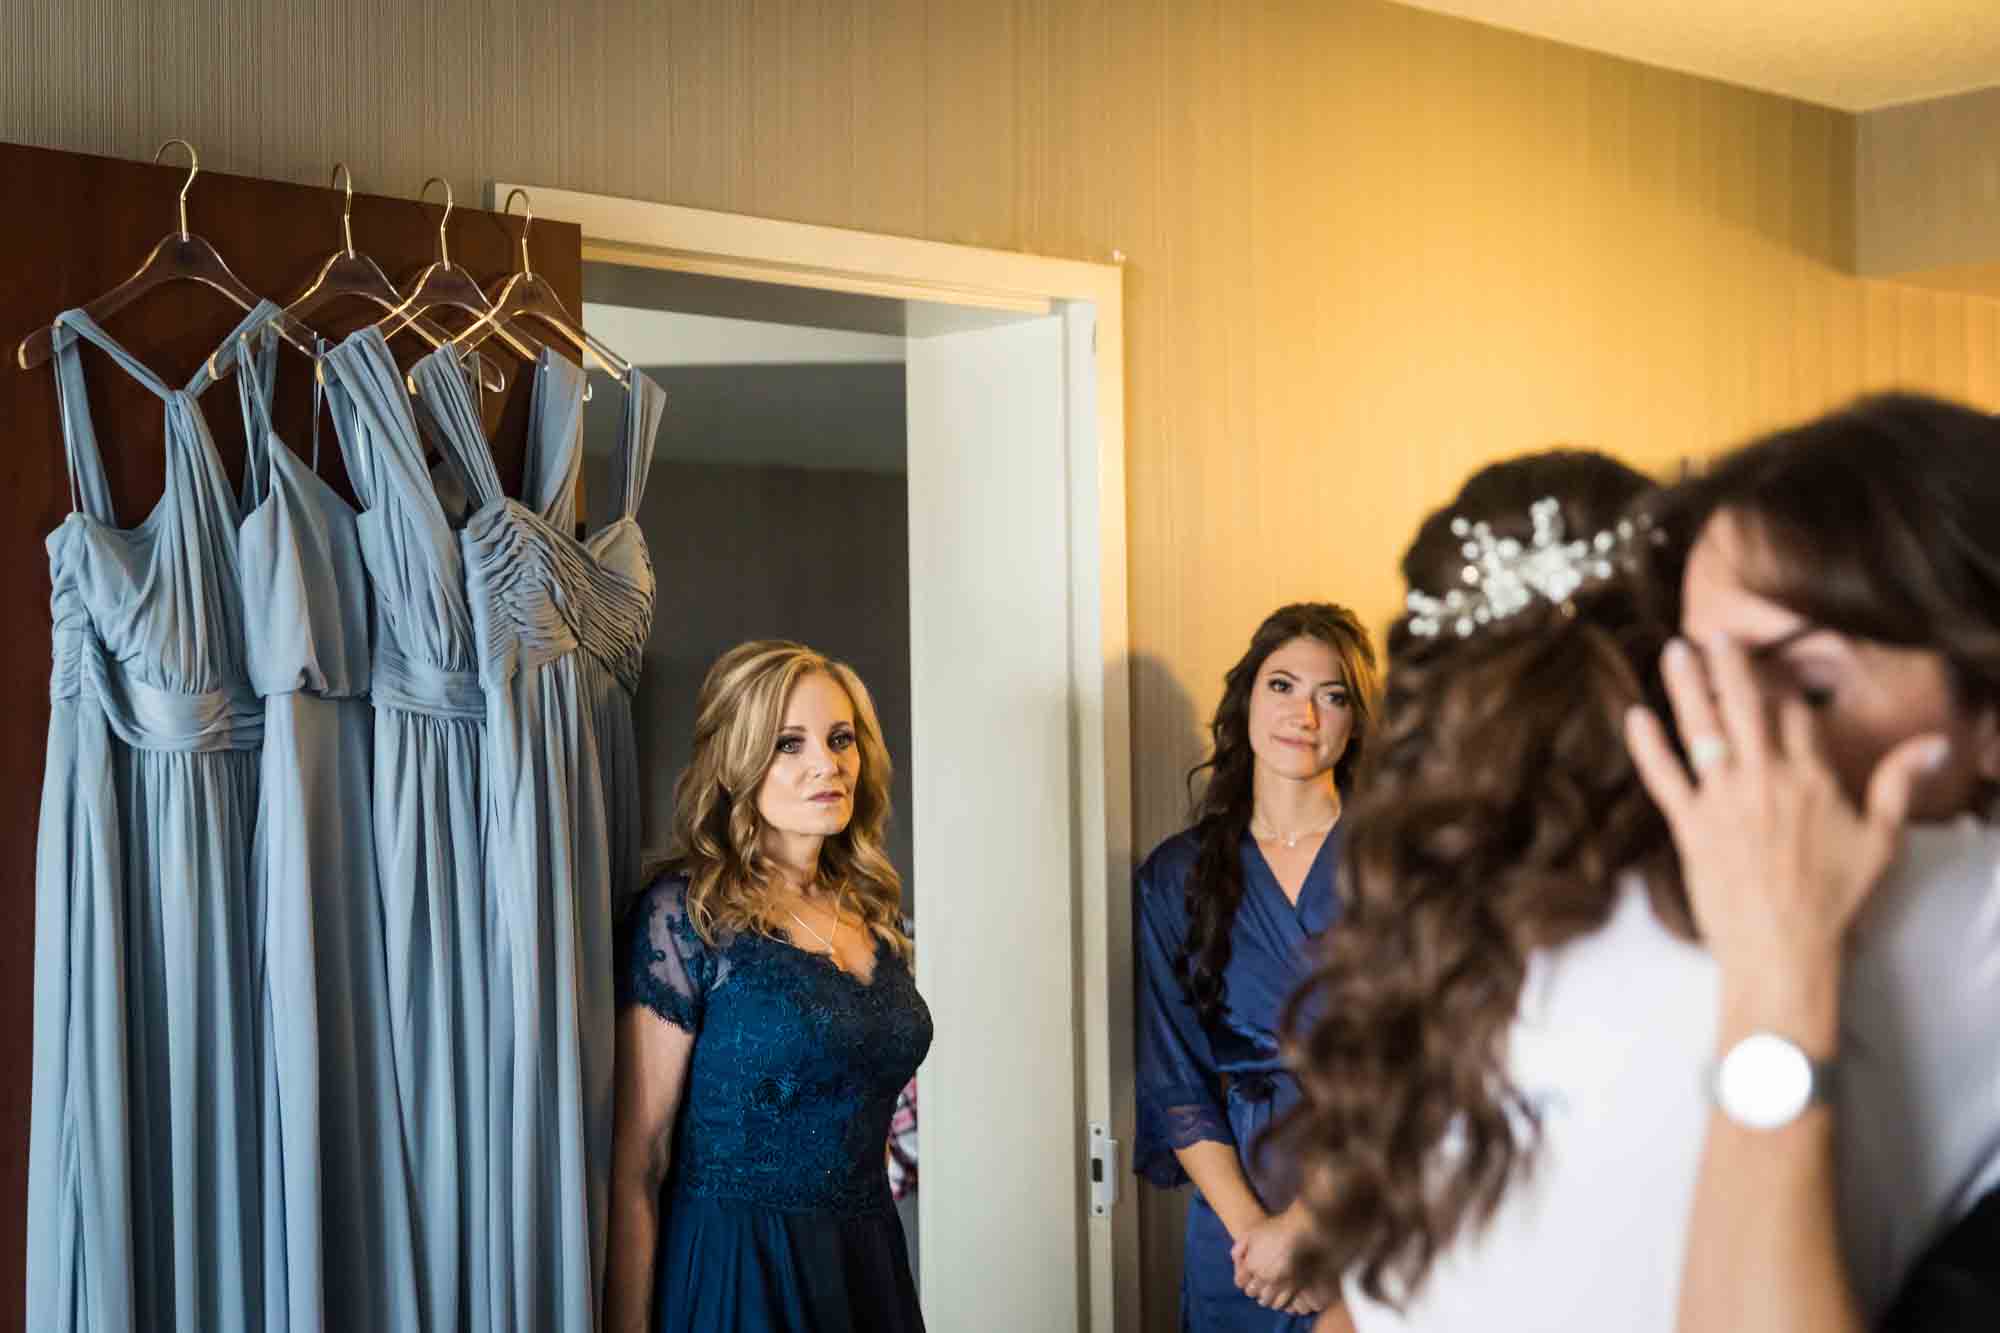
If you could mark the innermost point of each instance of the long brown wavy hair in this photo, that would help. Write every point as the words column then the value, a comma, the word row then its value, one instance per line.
column 717, row 830
column 1493, row 818
column 1222, row 805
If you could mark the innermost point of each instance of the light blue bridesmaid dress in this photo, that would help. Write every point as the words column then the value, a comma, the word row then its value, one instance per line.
column 339, row 1244
column 429, row 838
column 560, row 625
column 143, row 1192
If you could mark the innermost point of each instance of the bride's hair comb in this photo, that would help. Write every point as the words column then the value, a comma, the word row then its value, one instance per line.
column 1503, row 576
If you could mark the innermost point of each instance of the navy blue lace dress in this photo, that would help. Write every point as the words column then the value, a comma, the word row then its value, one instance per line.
column 776, row 1216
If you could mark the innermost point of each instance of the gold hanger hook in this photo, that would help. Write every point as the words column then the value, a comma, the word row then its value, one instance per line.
column 194, row 169
column 527, row 221
column 444, row 246
column 341, row 173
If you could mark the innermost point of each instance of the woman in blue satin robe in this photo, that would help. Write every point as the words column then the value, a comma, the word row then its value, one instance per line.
column 1224, row 914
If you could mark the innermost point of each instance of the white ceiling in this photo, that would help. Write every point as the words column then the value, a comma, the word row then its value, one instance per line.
column 648, row 336
column 754, row 393
column 1852, row 54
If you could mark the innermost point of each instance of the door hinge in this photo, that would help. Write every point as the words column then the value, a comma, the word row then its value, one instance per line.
column 1103, row 1170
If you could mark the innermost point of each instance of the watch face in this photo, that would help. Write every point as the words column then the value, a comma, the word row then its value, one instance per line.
column 1764, row 1081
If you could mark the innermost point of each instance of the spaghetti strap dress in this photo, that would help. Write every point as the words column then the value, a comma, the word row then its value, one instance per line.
column 559, row 623
column 338, row 1228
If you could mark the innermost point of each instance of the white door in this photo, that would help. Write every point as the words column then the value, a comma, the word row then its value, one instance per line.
column 990, row 709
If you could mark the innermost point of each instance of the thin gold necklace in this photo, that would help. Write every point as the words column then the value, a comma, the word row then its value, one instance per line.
column 1291, row 840
column 824, row 942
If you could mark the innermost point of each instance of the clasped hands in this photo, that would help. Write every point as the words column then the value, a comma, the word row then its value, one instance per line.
column 1264, row 1270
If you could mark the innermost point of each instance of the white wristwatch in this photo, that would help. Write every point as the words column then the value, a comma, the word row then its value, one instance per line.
column 1766, row 1081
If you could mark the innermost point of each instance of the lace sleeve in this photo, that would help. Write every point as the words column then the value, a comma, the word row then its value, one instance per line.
column 1177, row 1102
column 667, row 967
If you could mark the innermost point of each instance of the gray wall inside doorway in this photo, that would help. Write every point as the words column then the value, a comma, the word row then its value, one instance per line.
column 754, row 535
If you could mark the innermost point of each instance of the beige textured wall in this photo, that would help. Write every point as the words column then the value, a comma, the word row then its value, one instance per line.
column 1368, row 247
column 1928, row 197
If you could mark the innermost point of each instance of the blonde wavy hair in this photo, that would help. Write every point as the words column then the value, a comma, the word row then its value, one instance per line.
column 717, row 829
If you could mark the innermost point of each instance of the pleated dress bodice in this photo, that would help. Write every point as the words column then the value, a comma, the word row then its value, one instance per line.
column 559, row 624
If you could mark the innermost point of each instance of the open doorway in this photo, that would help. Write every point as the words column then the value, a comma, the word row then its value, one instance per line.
column 779, row 499
column 1018, row 802
column 778, row 507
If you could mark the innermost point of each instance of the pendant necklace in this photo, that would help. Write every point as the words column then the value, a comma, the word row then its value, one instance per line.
column 1291, row 840
column 824, row 942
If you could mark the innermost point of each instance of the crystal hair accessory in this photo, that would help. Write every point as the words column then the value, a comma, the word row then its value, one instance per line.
column 1503, row 577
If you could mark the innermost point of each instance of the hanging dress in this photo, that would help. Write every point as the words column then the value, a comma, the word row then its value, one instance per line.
column 560, row 625
column 429, row 841
column 143, row 1188
column 338, row 1237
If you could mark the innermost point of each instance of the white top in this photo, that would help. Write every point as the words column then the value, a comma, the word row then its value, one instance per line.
column 1614, row 1045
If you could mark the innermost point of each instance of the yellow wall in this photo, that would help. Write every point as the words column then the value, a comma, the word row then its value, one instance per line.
column 1368, row 247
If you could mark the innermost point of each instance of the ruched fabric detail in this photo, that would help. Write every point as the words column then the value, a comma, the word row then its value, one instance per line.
column 558, row 627
column 418, row 687
column 148, row 717
column 538, row 595
column 145, row 1209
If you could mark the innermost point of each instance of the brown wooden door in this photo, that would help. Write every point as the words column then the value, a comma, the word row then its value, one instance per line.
column 72, row 227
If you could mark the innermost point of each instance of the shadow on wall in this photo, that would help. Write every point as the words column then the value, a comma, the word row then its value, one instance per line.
column 1164, row 722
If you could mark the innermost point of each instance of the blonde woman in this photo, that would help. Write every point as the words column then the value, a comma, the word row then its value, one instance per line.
column 768, row 1019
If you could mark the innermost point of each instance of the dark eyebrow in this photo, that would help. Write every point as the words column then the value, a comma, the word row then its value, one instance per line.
column 1338, row 682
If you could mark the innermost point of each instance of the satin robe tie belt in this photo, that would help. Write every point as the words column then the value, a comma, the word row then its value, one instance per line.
column 1253, row 1103
column 419, row 687
column 1253, row 1088
column 152, row 717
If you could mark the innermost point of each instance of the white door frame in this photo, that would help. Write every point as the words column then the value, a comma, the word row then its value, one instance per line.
column 664, row 236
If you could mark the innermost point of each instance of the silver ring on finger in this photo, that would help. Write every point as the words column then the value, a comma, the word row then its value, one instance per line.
column 1706, row 752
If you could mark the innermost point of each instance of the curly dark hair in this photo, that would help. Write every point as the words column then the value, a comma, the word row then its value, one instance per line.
column 1222, row 806
column 1493, row 818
